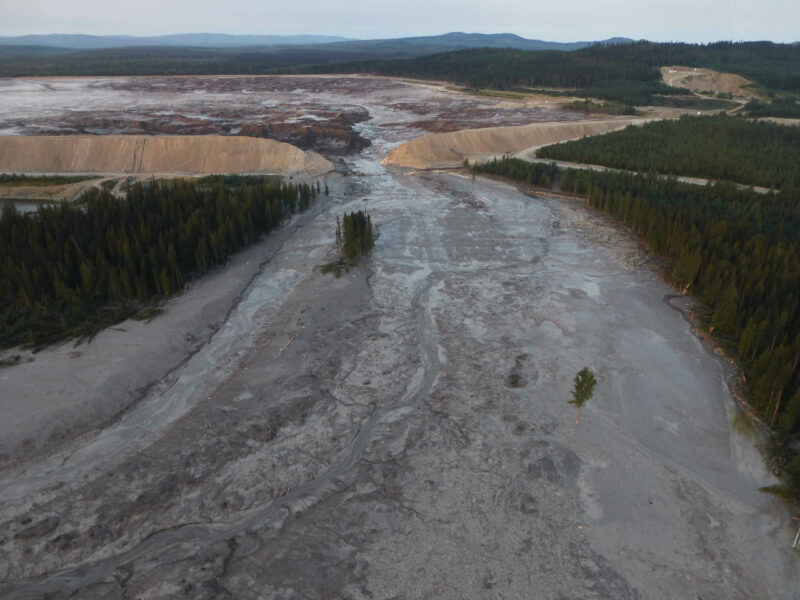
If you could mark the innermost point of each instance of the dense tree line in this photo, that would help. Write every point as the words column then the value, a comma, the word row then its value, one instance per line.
column 606, row 108
column 718, row 147
column 693, row 102
column 73, row 268
column 532, row 173
column 151, row 60
column 41, row 180
column 734, row 249
column 627, row 82
column 355, row 238
column 788, row 108
column 628, row 73
column 774, row 66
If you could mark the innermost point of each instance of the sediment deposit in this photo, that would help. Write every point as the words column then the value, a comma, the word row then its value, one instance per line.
column 706, row 81
column 148, row 154
column 322, row 114
column 438, row 150
column 399, row 432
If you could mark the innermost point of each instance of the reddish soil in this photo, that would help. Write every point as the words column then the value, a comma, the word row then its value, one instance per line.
column 333, row 135
column 312, row 113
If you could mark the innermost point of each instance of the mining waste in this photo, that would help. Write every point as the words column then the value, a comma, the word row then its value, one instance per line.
column 443, row 150
column 139, row 154
column 401, row 431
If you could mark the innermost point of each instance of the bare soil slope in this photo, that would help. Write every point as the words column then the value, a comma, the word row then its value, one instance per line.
column 706, row 80
column 147, row 154
column 450, row 149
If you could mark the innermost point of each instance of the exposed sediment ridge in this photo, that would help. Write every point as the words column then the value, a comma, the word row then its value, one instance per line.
column 439, row 150
column 148, row 154
column 707, row 81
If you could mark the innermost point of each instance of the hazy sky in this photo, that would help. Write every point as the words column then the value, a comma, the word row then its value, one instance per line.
column 557, row 20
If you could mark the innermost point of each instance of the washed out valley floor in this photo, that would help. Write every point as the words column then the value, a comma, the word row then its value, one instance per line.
column 402, row 431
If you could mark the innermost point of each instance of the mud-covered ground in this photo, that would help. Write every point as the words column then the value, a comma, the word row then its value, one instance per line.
column 404, row 432
column 313, row 113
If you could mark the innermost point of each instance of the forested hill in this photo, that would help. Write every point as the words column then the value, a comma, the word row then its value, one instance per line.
column 633, row 82
column 775, row 66
column 628, row 72
column 451, row 41
column 718, row 147
column 19, row 61
column 211, row 54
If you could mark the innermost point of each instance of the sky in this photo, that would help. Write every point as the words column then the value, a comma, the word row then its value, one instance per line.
column 552, row 20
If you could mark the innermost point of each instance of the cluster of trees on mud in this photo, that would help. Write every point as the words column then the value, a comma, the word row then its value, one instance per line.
column 355, row 237
column 736, row 250
column 72, row 269
column 718, row 147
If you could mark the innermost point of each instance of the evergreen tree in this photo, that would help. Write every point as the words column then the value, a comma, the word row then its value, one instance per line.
column 583, row 390
column 737, row 250
column 73, row 268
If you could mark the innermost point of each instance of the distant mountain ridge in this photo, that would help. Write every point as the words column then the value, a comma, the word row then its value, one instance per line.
column 459, row 40
column 210, row 40
column 453, row 40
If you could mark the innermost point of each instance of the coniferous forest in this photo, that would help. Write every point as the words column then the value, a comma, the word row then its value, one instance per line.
column 355, row 238
column 737, row 251
column 596, row 75
column 786, row 108
column 357, row 235
column 628, row 73
column 716, row 147
column 71, row 269
column 16, row 179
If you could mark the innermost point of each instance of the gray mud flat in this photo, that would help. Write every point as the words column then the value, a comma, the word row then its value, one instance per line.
column 404, row 432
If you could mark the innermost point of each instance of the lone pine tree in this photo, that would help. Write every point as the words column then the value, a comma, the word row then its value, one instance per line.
column 583, row 390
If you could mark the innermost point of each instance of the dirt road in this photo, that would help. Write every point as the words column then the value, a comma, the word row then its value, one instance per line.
column 706, row 83
column 404, row 432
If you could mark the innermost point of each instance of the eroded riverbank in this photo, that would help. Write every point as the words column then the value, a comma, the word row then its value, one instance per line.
column 404, row 431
